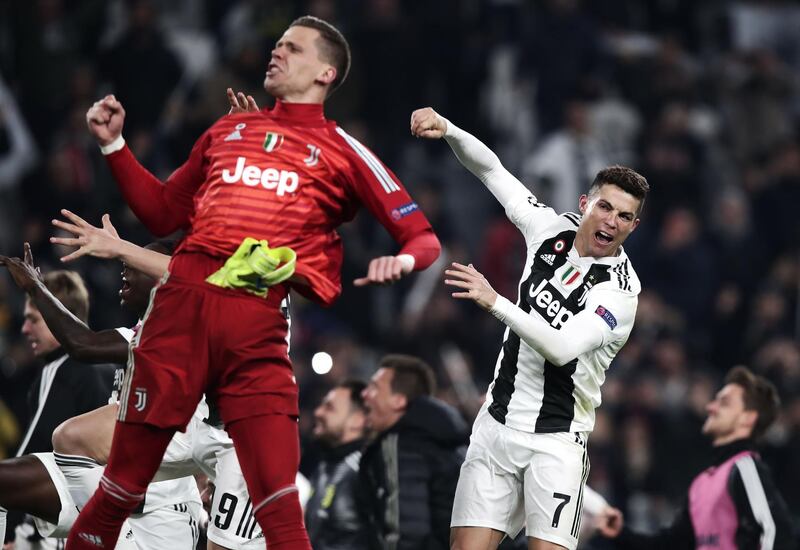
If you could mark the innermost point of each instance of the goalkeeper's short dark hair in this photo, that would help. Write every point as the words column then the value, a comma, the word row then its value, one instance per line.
column 332, row 44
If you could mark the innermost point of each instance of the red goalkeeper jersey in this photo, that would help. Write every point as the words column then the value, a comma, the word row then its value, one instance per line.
column 286, row 175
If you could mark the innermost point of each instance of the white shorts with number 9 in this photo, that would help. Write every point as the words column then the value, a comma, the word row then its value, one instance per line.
column 513, row 479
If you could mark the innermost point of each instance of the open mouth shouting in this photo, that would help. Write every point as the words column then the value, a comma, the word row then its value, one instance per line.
column 603, row 238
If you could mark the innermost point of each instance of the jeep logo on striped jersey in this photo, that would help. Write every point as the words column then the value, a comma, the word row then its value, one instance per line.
column 550, row 304
column 283, row 181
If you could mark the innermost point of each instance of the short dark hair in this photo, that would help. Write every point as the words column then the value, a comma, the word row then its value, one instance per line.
column 332, row 44
column 69, row 288
column 760, row 395
column 627, row 179
column 356, row 387
column 413, row 377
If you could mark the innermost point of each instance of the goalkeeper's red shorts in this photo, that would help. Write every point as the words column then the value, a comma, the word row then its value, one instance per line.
column 197, row 337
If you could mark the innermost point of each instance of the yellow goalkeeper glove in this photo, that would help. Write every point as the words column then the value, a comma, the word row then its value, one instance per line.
column 254, row 267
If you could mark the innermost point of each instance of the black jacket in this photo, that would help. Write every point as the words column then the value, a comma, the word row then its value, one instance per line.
column 61, row 390
column 66, row 390
column 333, row 516
column 749, row 521
column 409, row 475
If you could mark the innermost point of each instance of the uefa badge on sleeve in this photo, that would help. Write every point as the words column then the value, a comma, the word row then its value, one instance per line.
column 272, row 141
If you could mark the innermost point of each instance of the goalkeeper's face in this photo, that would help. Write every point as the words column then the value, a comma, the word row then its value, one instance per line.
column 295, row 71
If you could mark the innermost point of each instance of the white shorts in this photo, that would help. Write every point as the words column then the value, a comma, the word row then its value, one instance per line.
column 173, row 526
column 231, row 522
column 512, row 479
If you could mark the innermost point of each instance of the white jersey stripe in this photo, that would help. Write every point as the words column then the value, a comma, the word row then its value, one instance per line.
column 374, row 164
column 48, row 375
column 758, row 501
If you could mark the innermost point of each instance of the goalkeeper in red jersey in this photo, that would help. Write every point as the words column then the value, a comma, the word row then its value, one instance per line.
column 260, row 198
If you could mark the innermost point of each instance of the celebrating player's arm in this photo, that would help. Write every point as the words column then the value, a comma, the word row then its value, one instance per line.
column 162, row 207
column 78, row 340
column 384, row 195
column 105, row 242
column 521, row 206
column 590, row 329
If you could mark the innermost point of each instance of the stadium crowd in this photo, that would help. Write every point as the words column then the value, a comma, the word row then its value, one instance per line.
column 703, row 98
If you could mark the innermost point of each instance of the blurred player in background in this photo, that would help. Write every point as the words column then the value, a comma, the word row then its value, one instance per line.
column 64, row 387
column 52, row 486
column 287, row 176
column 527, row 463
column 734, row 503
column 409, row 471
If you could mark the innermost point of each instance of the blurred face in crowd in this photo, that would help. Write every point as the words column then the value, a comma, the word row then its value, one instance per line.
column 337, row 420
column 609, row 216
column 36, row 332
column 295, row 72
column 728, row 420
column 384, row 407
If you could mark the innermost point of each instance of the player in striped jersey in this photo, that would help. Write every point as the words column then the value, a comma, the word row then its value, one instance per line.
column 527, row 462
column 734, row 503
column 285, row 175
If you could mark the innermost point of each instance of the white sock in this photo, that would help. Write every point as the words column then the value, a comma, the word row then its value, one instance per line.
column 82, row 474
column 3, row 513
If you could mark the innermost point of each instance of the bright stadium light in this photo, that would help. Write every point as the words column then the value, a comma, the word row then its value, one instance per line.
column 322, row 362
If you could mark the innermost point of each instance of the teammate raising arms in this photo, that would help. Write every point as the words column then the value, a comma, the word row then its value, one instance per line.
column 287, row 176
column 527, row 462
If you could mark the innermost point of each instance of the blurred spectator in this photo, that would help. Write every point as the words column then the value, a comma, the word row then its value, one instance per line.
column 411, row 468
column 562, row 53
column 734, row 503
column 564, row 165
column 142, row 70
column 681, row 266
column 335, row 517
column 18, row 155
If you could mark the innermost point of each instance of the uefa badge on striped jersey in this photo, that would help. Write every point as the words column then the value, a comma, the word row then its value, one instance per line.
column 272, row 141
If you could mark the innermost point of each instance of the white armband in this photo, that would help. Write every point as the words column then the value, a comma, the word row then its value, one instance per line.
column 408, row 261
column 114, row 146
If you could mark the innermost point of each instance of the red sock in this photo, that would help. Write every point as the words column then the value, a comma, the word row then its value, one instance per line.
column 99, row 522
column 269, row 453
column 136, row 453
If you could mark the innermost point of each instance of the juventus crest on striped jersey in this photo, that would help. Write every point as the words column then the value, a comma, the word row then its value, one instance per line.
column 529, row 393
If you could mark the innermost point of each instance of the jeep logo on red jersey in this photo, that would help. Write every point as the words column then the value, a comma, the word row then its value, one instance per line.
column 283, row 181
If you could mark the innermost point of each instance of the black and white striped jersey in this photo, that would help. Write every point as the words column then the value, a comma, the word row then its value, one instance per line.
column 598, row 295
column 571, row 317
